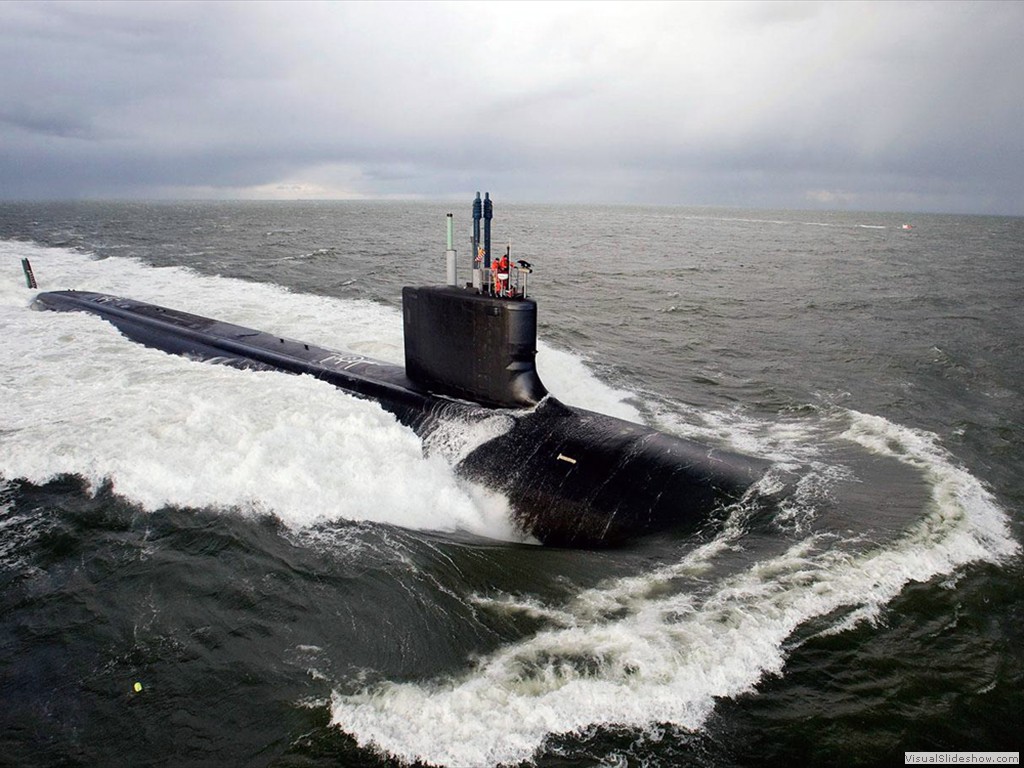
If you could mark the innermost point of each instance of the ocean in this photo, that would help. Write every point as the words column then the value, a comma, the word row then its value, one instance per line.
column 208, row 566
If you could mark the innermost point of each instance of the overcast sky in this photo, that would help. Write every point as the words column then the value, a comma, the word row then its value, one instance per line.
column 871, row 106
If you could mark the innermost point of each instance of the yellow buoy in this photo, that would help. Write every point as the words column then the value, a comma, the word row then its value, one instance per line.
column 137, row 687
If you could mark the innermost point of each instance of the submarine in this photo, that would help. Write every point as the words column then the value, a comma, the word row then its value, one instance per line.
column 572, row 477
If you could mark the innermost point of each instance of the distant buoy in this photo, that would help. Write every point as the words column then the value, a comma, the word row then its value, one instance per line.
column 137, row 687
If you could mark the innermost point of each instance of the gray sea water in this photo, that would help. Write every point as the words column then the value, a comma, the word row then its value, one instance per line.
column 293, row 580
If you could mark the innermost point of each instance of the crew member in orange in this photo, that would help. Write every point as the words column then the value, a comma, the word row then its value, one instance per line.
column 501, row 275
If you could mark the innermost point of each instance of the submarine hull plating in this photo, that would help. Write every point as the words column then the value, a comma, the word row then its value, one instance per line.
column 572, row 477
column 581, row 478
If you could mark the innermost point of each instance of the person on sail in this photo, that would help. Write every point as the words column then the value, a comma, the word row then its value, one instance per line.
column 501, row 275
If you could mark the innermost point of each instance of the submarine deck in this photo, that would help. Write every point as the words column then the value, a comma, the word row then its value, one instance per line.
column 182, row 333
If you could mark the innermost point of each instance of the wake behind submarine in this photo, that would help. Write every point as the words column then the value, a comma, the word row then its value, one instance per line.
column 573, row 478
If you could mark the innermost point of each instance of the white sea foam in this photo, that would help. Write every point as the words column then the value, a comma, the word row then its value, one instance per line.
column 639, row 651
column 788, row 442
column 964, row 513
column 455, row 439
column 569, row 379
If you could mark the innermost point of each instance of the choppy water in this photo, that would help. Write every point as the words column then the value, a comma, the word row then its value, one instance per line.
column 294, row 582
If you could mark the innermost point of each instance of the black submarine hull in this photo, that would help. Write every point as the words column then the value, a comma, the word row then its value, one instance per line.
column 572, row 477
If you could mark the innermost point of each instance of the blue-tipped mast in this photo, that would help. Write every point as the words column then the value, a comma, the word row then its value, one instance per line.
column 477, row 205
column 488, row 215
column 475, row 254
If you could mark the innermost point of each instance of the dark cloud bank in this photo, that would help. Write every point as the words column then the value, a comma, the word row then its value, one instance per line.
column 885, row 106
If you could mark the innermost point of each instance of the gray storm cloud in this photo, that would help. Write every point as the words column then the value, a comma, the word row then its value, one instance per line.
column 905, row 106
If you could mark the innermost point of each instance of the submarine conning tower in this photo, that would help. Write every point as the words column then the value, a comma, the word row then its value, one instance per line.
column 475, row 342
